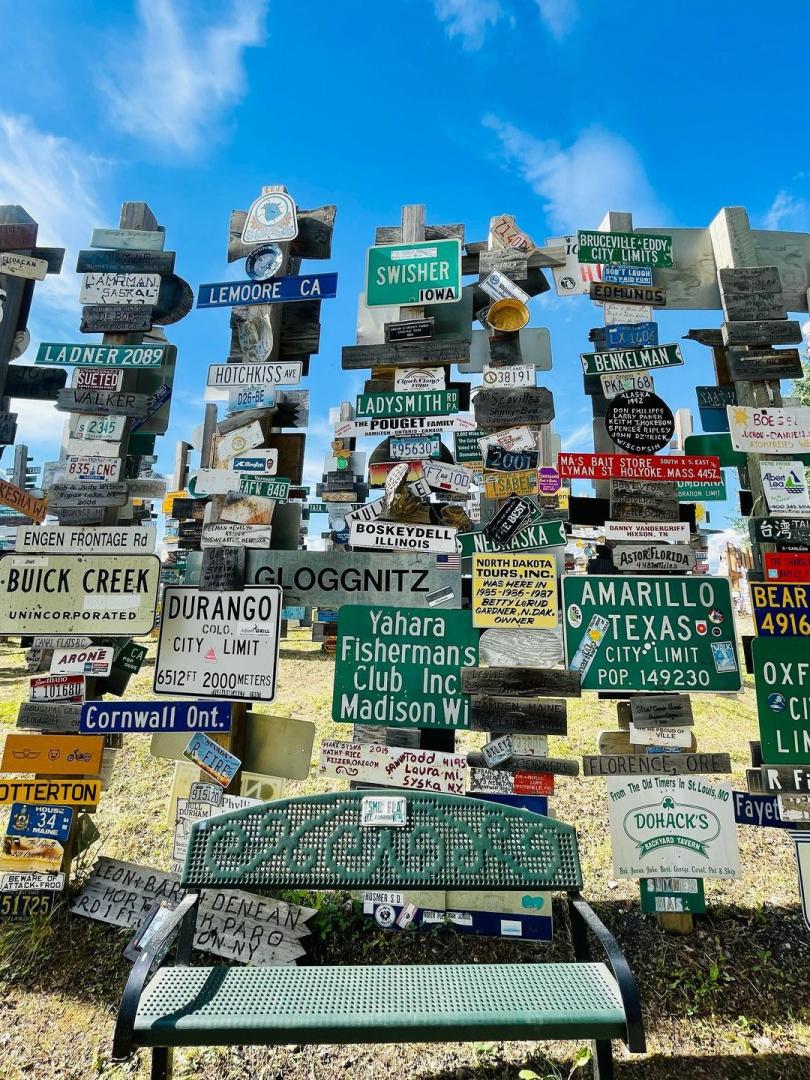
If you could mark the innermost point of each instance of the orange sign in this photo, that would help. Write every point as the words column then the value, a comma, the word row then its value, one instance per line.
column 55, row 792
column 17, row 499
column 56, row 755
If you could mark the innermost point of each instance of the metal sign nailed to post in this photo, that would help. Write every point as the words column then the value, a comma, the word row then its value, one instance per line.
column 413, row 274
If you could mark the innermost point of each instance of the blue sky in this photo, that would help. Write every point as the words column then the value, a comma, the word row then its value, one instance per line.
column 551, row 110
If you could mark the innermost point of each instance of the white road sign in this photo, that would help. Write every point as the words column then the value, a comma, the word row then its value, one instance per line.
column 119, row 289
column 53, row 538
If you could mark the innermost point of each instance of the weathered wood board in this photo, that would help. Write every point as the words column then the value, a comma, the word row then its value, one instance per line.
column 516, row 715
column 762, row 332
column 654, row 764
column 555, row 766
column 757, row 365
column 520, row 682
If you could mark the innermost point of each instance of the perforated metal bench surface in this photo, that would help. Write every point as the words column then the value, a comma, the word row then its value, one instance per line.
column 196, row 1006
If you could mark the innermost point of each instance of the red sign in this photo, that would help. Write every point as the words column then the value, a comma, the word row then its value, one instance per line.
column 533, row 783
column 57, row 688
column 649, row 467
column 787, row 565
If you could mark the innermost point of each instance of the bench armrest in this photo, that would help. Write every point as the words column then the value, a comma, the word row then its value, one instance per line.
column 584, row 918
column 183, row 916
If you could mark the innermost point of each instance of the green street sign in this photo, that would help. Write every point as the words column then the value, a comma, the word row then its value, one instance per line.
column 399, row 667
column 651, row 633
column 628, row 249
column 278, row 488
column 782, row 679
column 678, row 895
column 465, row 445
column 132, row 655
column 617, row 361
column 697, row 492
column 409, row 275
column 719, row 444
column 104, row 356
column 534, row 537
column 408, row 403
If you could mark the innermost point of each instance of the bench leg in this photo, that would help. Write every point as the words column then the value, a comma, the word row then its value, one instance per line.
column 602, row 1059
column 161, row 1063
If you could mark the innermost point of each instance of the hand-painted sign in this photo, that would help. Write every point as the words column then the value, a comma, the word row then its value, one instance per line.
column 653, row 558
column 108, row 595
column 787, row 566
column 679, row 895
column 209, row 756
column 225, row 376
column 48, row 822
column 23, row 266
column 631, row 249
column 781, row 610
column 626, row 335
column 53, row 755
column 703, row 491
column 423, row 272
column 104, row 356
column 514, row 591
column 275, row 291
column 663, row 468
column 784, row 486
column 757, row 430
column 643, row 531
column 106, row 288
column 400, row 666
column 393, row 766
column 639, row 422
column 651, row 633
column 22, row 501
column 219, row 644
column 415, row 403
column 102, row 402
column 621, row 360
column 647, row 296
column 782, row 679
column 672, row 826
column 103, row 717
column 398, row 535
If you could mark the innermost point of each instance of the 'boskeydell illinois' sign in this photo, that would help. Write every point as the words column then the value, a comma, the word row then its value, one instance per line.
column 651, row 633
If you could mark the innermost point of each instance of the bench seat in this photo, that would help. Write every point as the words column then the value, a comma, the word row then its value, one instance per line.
column 194, row 1006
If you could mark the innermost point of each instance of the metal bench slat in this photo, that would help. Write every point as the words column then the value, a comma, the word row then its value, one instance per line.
column 276, row 1005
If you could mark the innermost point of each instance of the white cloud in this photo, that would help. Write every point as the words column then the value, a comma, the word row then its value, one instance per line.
column 578, row 438
column 787, row 212
column 179, row 77
column 598, row 172
column 559, row 16
column 468, row 20
column 57, row 183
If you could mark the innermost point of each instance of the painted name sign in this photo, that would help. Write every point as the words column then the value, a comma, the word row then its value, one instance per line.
column 653, row 467
column 101, row 717
column 393, row 766
column 769, row 431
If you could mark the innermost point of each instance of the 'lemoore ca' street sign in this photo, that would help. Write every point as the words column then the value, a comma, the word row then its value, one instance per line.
column 408, row 275
column 651, row 633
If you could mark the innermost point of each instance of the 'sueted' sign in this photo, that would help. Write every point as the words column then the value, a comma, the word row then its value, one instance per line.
column 781, row 610
column 514, row 591
column 400, row 667
column 393, row 766
column 412, row 274
column 672, row 826
column 630, row 249
column 782, row 679
column 219, row 644
column 756, row 430
column 651, row 633
column 620, row 360
column 108, row 595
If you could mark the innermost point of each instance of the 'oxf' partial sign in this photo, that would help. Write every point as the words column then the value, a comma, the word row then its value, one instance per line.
column 108, row 595
column 219, row 644
column 651, row 633
column 782, row 678
column 412, row 274
column 400, row 667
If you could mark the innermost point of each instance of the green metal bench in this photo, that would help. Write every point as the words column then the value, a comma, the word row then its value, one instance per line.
column 317, row 842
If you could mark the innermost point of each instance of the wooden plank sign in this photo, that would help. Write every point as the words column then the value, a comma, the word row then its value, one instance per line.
column 53, row 755
column 393, row 766
column 757, row 430
column 58, row 718
column 14, row 497
column 112, row 288
column 103, row 402
column 659, row 709
column 511, row 590
column 529, row 405
column 753, row 292
column 108, row 595
column 762, row 332
column 417, row 656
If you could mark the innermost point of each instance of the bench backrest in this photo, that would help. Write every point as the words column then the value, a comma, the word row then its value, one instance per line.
column 317, row 842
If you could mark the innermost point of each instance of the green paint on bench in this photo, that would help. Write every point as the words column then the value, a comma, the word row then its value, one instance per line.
column 227, row 1006
column 317, row 842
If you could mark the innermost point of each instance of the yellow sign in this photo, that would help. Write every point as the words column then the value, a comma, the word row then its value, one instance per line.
column 563, row 496
column 169, row 498
column 498, row 485
column 514, row 591
column 57, row 792
column 54, row 755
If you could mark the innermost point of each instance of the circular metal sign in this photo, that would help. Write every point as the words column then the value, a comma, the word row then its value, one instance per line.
column 264, row 262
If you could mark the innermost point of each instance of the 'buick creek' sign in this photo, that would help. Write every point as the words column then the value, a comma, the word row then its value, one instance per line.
column 105, row 595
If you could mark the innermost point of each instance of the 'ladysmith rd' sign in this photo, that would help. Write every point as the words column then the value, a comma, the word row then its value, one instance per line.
column 651, row 633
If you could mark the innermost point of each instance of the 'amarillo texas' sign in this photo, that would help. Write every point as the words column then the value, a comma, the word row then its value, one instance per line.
column 675, row 825
column 401, row 666
column 650, row 633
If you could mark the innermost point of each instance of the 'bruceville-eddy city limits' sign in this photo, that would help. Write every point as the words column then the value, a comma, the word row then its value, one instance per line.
column 650, row 633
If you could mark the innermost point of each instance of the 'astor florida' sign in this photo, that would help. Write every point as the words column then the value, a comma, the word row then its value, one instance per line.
column 651, row 633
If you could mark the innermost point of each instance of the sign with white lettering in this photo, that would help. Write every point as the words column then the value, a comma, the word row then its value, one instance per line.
column 416, row 403
column 104, row 595
column 412, row 274
column 393, row 766
column 50, row 688
column 672, row 826
column 93, row 468
column 782, row 679
column 219, row 644
column 104, row 356
column 443, row 477
column 675, row 531
column 275, row 291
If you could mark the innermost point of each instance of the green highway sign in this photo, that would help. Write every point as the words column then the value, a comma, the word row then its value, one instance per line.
column 407, row 403
column 399, row 667
column 649, row 358
column 628, row 249
column 782, row 679
column 465, row 444
column 698, row 492
column 409, row 275
column 278, row 488
column 101, row 356
column 534, row 537
column 651, row 633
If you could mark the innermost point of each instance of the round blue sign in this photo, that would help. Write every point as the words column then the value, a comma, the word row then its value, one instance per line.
column 264, row 262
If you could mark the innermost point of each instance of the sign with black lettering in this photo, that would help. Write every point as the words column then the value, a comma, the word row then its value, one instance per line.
column 105, row 595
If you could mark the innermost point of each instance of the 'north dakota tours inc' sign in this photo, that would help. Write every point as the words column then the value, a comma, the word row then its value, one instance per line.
column 401, row 666
column 651, row 633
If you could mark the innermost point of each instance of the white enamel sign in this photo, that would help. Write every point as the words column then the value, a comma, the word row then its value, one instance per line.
column 228, row 376
column 139, row 540
column 219, row 644
column 784, row 485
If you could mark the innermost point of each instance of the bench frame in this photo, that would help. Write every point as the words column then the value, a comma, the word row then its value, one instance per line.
column 180, row 927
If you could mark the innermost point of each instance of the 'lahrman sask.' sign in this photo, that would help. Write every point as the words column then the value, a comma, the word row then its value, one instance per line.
column 650, row 633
